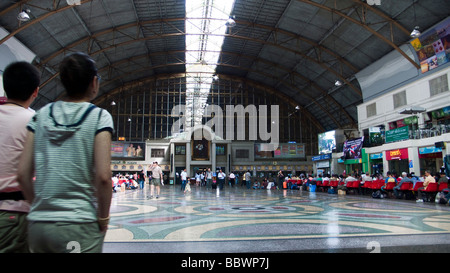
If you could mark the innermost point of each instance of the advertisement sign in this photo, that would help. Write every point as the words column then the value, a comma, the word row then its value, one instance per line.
column 398, row 134
column 284, row 150
column 352, row 148
column 375, row 135
column 433, row 47
column 327, row 142
column 128, row 150
column 397, row 154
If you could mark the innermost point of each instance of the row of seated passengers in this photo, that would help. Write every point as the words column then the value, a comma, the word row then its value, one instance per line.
column 426, row 187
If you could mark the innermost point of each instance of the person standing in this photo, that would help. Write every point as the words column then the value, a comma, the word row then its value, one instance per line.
column 68, row 148
column 221, row 178
column 141, row 179
column 248, row 179
column 157, row 178
column 232, row 178
column 183, row 179
column 21, row 84
column 209, row 177
column 280, row 179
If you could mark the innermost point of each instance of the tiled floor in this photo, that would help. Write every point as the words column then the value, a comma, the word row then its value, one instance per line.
column 238, row 220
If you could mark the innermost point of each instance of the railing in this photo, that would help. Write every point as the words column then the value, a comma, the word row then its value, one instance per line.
column 429, row 132
column 420, row 133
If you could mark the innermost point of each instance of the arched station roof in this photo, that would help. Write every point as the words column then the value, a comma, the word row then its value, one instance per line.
column 296, row 47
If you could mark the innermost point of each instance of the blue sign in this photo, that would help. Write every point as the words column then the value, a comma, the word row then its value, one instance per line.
column 429, row 150
column 321, row 157
column 376, row 156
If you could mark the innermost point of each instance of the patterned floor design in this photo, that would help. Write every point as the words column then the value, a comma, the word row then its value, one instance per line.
column 241, row 220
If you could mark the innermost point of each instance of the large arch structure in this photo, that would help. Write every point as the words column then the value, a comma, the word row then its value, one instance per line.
column 296, row 48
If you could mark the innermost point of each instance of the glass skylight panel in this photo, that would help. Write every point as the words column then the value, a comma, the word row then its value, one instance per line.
column 205, row 29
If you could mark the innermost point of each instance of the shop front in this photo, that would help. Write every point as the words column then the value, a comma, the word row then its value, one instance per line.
column 398, row 160
column 322, row 164
column 375, row 163
column 431, row 159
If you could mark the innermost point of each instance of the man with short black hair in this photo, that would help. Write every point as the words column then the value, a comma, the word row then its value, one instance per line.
column 21, row 83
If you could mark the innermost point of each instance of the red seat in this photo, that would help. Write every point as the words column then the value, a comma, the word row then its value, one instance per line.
column 326, row 183
column 406, row 186
column 377, row 184
column 390, row 186
column 417, row 186
column 367, row 184
column 334, row 183
column 319, row 183
column 353, row 184
column 432, row 187
column 442, row 186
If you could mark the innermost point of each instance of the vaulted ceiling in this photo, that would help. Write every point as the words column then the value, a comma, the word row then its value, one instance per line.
column 297, row 47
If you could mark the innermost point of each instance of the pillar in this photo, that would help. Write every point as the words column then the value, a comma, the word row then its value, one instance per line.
column 213, row 156
column 188, row 158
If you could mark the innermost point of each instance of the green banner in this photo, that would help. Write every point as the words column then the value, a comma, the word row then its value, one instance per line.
column 411, row 120
column 398, row 134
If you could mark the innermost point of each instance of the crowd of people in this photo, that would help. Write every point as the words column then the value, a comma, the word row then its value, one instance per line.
column 137, row 180
column 308, row 182
column 391, row 177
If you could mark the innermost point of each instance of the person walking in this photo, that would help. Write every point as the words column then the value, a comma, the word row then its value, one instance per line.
column 157, row 180
column 68, row 149
column 21, row 84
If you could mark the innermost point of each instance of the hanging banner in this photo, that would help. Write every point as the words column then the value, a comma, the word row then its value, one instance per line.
column 352, row 148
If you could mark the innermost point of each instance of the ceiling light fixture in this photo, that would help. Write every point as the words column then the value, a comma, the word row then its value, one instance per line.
column 23, row 15
column 231, row 22
column 338, row 83
column 416, row 32
column 374, row 2
column 113, row 103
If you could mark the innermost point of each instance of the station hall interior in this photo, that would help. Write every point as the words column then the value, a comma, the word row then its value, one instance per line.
column 308, row 87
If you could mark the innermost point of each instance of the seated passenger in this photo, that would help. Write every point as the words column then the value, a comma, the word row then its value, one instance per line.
column 405, row 178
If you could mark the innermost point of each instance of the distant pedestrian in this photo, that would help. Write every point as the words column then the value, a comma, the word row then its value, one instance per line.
column 248, row 179
column 157, row 180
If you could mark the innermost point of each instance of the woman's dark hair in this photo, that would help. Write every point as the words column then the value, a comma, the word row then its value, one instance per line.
column 20, row 79
column 76, row 72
